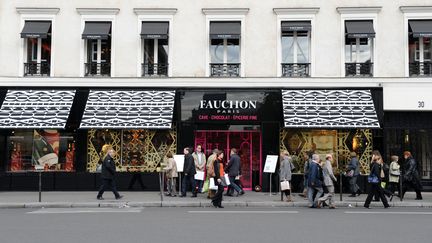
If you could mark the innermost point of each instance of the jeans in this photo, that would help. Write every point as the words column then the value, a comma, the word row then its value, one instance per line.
column 353, row 185
column 233, row 184
column 188, row 180
column 199, row 184
column 311, row 191
column 108, row 184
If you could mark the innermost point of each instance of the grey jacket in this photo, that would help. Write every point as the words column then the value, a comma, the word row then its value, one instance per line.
column 233, row 167
column 285, row 169
column 354, row 165
column 328, row 173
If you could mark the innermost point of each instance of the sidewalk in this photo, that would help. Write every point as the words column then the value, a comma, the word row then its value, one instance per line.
column 153, row 199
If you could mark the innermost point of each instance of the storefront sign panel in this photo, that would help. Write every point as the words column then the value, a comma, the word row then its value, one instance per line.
column 416, row 98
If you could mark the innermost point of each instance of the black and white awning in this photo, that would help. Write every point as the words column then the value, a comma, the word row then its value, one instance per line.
column 129, row 109
column 36, row 108
column 329, row 109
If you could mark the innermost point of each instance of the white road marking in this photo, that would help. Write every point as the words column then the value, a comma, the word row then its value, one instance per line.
column 396, row 213
column 90, row 210
column 244, row 212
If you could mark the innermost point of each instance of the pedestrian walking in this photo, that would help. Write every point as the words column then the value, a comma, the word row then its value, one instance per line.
column 189, row 173
column 411, row 178
column 108, row 173
column 374, row 180
column 329, row 177
column 385, row 175
column 218, row 177
column 307, row 157
column 171, row 174
column 353, row 171
column 315, row 189
column 210, row 171
column 233, row 170
column 200, row 165
column 285, row 173
column 394, row 175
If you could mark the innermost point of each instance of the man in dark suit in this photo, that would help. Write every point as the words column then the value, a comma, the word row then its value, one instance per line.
column 189, row 173
column 108, row 173
column 233, row 170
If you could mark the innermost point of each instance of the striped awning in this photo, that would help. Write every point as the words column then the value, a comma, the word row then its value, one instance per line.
column 36, row 108
column 129, row 109
column 329, row 109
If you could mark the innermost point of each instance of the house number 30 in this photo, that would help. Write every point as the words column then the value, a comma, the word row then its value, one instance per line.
column 421, row 104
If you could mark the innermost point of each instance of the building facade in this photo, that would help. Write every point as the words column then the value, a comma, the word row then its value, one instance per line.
column 261, row 76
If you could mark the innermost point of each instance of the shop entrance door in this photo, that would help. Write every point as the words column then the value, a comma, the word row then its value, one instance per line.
column 248, row 144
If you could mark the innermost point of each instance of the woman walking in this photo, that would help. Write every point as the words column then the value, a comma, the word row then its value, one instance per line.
column 285, row 172
column 374, row 180
column 394, row 175
column 218, row 163
column 171, row 174
column 108, row 173
column 411, row 177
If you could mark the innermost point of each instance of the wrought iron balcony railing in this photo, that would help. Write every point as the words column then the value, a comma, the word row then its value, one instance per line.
column 157, row 69
column 364, row 69
column 420, row 68
column 97, row 69
column 37, row 69
column 295, row 69
column 225, row 69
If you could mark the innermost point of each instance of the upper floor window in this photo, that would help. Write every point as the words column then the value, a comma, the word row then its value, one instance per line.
column 296, row 42
column 420, row 47
column 97, row 36
column 359, row 47
column 225, row 48
column 37, row 46
column 155, row 47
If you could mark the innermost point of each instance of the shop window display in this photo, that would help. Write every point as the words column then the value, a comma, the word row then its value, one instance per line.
column 51, row 149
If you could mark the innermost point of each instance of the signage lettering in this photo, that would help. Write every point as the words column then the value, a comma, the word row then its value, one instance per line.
column 421, row 104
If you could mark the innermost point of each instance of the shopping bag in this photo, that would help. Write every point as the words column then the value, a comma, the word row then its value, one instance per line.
column 212, row 185
column 205, row 186
column 227, row 180
column 199, row 176
column 285, row 185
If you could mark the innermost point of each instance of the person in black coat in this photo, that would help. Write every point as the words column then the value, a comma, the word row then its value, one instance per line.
column 217, row 198
column 233, row 170
column 411, row 176
column 375, row 185
column 108, row 173
column 188, row 173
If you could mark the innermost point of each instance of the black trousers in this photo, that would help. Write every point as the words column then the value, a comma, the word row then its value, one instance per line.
column 378, row 190
column 188, row 180
column 414, row 185
column 108, row 184
column 217, row 198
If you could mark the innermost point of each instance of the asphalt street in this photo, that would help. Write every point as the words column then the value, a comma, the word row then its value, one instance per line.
column 215, row 225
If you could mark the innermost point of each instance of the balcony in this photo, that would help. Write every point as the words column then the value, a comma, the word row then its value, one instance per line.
column 420, row 69
column 97, row 69
column 37, row 69
column 154, row 70
column 224, row 69
column 364, row 69
column 295, row 69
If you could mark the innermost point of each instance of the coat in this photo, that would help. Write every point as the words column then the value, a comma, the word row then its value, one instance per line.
column 411, row 172
column 314, row 177
column 328, row 173
column 285, row 169
column 375, row 169
column 394, row 169
column 354, row 165
column 189, row 165
column 108, row 168
column 199, row 166
column 171, row 168
column 233, row 167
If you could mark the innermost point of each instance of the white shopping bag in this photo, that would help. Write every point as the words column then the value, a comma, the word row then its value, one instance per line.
column 227, row 180
column 285, row 185
column 212, row 185
column 199, row 175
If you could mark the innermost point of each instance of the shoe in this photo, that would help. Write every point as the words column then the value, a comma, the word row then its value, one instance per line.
column 387, row 206
column 100, row 198
column 352, row 195
column 119, row 197
column 312, row 206
column 359, row 193
column 241, row 192
column 229, row 195
column 183, row 195
column 194, row 195
column 367, row 207
column 220, row 206
column 168, row 194
column 332, row 207
column 418, row 198
column 173, row 195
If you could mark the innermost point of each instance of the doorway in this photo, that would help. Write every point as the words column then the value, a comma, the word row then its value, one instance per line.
column 248, row 144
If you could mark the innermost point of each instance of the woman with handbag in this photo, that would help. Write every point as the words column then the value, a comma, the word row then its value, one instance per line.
column 218, row 177
column 374, row 180
column 285, row 174
column 394, row 174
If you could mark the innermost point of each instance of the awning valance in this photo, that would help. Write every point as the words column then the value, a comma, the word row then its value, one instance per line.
column 288, row 26
column 329, row 109
column 129, row 109
column 225, row 30
column 36, row 108
column 421, row 28
column 97, row 30
column 36, row 29
column 154, row 30
column 359, row 29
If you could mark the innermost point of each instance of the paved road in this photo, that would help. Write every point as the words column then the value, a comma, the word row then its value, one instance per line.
column 215, row 225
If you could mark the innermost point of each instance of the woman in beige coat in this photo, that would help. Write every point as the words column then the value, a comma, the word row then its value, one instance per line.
column 171, row 174
column 394, row 174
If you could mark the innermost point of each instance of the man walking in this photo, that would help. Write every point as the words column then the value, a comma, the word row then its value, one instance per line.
column 233, row 170
column 314, row 181
column 355, row 168
column 189, row 173
column 108, row 173
column 329, row 177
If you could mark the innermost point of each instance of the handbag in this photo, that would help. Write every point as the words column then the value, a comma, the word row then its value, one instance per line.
column 285, row 185
column 226, row 180
column 373, row 179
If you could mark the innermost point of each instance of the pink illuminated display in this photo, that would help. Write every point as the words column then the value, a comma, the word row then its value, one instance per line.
column 248, row 144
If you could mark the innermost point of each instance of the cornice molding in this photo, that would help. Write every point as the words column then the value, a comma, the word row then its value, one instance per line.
column 358, row 10
column 225, row 11
column 98, row 11
column 295, row 11
column 155, row 11
column 416, row 9
column 50, row 11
